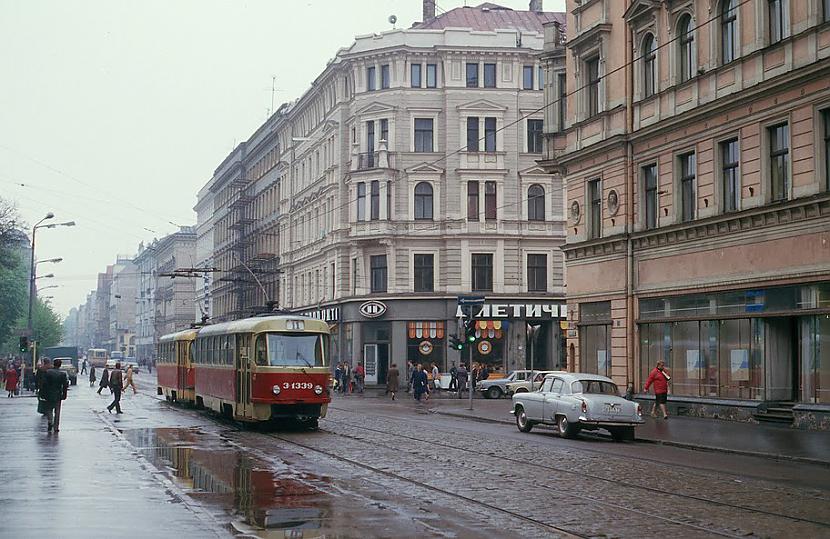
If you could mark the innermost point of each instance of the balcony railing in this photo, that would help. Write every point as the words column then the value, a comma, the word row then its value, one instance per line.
column 366, row 161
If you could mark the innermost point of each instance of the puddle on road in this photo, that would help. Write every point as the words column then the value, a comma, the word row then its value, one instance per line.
column 260, row 499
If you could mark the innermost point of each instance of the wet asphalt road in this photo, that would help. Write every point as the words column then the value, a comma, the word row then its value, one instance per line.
column 382, row 469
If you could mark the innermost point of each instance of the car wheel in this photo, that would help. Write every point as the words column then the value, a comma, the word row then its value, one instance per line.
column 522, row 422
column 566, row 429
column 494, row 392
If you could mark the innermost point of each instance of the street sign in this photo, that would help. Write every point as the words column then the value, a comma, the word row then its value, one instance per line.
column 471, row 300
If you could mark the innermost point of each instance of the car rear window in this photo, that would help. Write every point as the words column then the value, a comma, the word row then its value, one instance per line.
column 596, row 387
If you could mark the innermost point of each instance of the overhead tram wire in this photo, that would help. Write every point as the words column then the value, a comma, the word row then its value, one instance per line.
column 668, row 43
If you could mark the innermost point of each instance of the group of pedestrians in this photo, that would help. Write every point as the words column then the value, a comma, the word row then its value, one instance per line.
column 348, row 380
column 116, row 381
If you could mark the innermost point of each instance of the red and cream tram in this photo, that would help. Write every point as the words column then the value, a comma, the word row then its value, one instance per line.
column 262, row 369
column 174, row 368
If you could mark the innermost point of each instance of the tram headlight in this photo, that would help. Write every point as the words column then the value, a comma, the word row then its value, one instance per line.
column 318, row 389
column 276, row 390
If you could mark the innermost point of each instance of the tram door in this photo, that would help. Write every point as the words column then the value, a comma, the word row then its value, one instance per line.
column 182, row 364
column 242, row 366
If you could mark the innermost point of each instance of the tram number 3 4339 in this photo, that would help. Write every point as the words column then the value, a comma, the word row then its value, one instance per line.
column 297, row 385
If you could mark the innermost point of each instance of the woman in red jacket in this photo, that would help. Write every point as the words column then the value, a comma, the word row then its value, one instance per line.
column 11, row 380
column 659, row 377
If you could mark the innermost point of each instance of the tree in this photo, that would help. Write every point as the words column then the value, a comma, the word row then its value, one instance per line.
column 14, row 272
column 46, row 324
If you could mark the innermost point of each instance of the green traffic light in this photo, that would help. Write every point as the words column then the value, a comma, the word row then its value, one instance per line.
column 471, row 338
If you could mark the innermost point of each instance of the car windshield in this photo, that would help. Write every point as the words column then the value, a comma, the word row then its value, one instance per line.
column 292, row 349
column 597, row 387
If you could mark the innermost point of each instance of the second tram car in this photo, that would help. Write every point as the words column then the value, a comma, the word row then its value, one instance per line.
column 97, row 357
column 174, row 368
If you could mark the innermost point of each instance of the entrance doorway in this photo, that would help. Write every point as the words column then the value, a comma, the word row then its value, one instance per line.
column 376, row 362
column 782, row 358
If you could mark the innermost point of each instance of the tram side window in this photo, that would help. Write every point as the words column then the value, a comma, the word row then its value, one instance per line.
column 231, row 349
column 261, row 351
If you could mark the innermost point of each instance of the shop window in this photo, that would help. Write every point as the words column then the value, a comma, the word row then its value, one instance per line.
column 686, row 59
column 595, row 347
column 815, row 351
column 424, row 272
column 536, row 203
column 482, row 272
column 377, row 265
column 537, row 273
column 425, row 343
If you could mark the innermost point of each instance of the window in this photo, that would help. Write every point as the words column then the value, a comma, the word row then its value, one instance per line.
column 540, row 76
column 375, row 201
column 472, row 201
column 424, row 273
column 779, row 161
column 536, row 203
column 361, row 201
column 370, row 138
column 562, row 104
column 825, row 115
column 432, row 75
column 534, row 136
column 595, row 202
column 649, row 59
column 377, row 265
column 482, row 272
column 423, row 134
column 527, row 77
column 384, row 130
column 827, row 10
column 729, row 172
column 687, row 187
column 423, row 201
column 537, row 273
column 686, row 43
column 389, row 200
column 384, row 76
column 489, row 201
column 354, row 276
column 472, row 134
column 489, row 75
column 592, row 68
column 415, row 75
column 729, row 17
column 489, row 134
column 650, row 190
column 472, row 75
column 776, row 20
column 370, row 79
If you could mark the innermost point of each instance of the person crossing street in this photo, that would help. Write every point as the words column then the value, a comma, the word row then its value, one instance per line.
column 116, row 385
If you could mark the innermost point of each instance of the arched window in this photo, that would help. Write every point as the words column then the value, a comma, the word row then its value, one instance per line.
column 728, row 22
column 536, row 203
column 686, row 60
column 649, row 58
column 423, row 201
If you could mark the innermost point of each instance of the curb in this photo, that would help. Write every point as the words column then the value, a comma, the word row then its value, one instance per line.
column 657, row 441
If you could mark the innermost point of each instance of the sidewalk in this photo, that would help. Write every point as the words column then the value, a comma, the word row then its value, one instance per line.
column 774, row 442
column 85, row 481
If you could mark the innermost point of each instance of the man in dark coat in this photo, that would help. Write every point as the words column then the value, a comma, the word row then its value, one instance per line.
column 462, row 379
column 392, row 380
column 420, row 383
column 53, row 391
column 105, row 380
column 116, row 385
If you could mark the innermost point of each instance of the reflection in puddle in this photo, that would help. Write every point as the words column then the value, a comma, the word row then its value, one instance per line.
column 267, row 504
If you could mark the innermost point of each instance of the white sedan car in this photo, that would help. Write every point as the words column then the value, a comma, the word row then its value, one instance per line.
column 577, row 401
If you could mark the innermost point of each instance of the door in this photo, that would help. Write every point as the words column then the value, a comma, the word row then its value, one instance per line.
column 242, row 364
column 383, row 362
column 370, row 362
column 781, row 359
column 552, row 398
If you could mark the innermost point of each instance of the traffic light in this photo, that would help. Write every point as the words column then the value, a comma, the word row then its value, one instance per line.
column 456, row 343
column 470, row 330
column 24, row 344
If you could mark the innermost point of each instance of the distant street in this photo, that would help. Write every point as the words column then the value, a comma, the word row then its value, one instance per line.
column 379, row 468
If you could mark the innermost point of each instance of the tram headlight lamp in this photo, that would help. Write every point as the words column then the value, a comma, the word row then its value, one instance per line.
column 276, row 390
column 318, row 389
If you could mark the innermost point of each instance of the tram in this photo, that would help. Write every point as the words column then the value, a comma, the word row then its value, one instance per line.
column 267, row 368
column 174, row 368
column 97, row 357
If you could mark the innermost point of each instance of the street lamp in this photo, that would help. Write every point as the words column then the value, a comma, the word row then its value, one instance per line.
column 48, row 287
column 47, row 276
column 54, row 260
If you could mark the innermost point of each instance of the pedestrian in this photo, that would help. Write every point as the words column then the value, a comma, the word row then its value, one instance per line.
column 411, row 372
column 484, row 373
column 338, row 377
column 436, row 377
column 659, row 378
column 55, row 386
column 83, row 367
column 392, row 380
column 116, row 381
column 105, row 379
column 347, row 378
column 12, row 380
column 129, row 381
column 40, row 375
column 360, row 377
column 453, row 378
column 149, row 366
column 462, row 380
column 92, row 376
column 420, row 383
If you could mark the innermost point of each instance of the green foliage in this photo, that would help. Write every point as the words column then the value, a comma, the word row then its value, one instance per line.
column 46, row 324
column 13, row 295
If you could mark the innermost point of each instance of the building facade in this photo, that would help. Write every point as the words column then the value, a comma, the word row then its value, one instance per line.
column 122, row 307
column 695, row 157
column 174, row 297
column 404, row 178
column 146, row 266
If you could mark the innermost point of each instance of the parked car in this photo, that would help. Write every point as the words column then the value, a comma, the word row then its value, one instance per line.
column 578, row 401
column 523, row 386
column 495, row 388
column 69, row 369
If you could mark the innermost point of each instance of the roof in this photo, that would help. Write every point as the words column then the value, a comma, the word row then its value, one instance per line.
column 263, row 323
column 184, row 335
column 574, row 376
column 490, row 17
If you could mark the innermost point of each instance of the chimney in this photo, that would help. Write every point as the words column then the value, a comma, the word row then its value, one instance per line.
column 429, row 10
column 535, row 5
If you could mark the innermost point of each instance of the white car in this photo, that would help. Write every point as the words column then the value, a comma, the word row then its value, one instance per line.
column 577, row 401
column 523, row 386
column 495, row 387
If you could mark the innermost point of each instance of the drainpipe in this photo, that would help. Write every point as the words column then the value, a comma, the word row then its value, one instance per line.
column 630, row 346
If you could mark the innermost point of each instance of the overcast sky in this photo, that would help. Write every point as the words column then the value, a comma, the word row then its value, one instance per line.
column 113, row 114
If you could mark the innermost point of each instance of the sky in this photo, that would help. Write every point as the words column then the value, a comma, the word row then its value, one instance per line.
column 113, row 114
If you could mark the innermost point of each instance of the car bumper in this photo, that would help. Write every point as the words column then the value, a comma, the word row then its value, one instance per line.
column 605, row 423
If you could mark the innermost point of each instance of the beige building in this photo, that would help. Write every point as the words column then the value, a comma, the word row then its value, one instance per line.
column 404, row 178
column 695, row 152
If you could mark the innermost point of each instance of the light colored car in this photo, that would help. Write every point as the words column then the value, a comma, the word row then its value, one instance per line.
column 495, row 388
column 69, row 369
column 525, row 385
column 577, row 401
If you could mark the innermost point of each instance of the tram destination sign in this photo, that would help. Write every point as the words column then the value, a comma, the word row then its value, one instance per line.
column 518, row 311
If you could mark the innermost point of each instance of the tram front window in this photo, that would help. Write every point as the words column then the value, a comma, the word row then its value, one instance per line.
column 291, row 350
